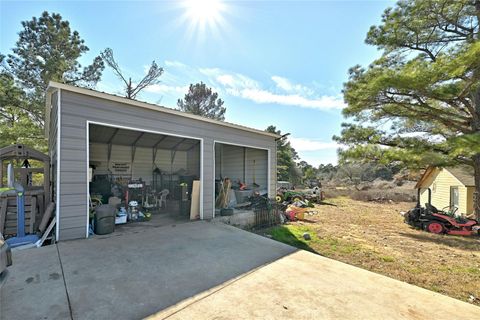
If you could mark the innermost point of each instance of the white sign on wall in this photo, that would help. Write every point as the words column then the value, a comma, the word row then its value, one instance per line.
column 120, row 168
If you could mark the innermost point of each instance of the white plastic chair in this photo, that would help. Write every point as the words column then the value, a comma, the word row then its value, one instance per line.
column 162, row 199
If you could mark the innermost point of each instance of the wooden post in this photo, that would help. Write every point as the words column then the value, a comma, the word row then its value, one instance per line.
column 3, row 213
column 46, row 185
column 33, row 213
column 195, row 197
column 1, row 173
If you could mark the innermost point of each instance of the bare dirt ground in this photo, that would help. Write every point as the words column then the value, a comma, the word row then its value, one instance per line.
column 373, row 236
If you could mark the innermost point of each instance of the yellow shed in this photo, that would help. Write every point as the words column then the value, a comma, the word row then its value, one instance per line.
column 451, row 186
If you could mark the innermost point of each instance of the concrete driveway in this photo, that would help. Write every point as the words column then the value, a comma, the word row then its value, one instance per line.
column 130, row 275
column 204, row 270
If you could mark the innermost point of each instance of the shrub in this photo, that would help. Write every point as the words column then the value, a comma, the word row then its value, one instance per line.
column 384, row 195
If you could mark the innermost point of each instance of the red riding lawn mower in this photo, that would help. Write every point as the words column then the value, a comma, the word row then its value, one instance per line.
column 439, row 221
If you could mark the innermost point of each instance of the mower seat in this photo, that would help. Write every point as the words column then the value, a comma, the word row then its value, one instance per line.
column 431, row 208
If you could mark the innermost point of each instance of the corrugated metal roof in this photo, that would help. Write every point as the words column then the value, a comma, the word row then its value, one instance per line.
column 103, row 134
column 141, row 104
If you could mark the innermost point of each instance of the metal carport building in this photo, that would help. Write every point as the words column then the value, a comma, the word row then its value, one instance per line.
column 82, row 124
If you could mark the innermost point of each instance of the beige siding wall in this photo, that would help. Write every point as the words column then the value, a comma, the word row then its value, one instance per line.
column 440, row 182
column 257, row 168
column 470, row 191
column 142, row 165
column 248, row 165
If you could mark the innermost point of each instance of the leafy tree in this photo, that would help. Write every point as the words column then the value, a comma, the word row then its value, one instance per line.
column 287, row 169
column 308, row 171
column 327, row 172
column 304, row 165
column 47, row 49
column 202, row 101
column 351, row 173
column 131, row 89
column 419, row 103
column 15, row 123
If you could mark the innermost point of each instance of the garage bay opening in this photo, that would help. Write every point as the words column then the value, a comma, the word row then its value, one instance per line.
column 147, row 177
column 241, row 183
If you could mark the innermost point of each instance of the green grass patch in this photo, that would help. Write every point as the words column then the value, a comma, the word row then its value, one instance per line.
column 293, row 235
column 460, row 270
column 434, row 288
column 414, row 269
column 387, row 258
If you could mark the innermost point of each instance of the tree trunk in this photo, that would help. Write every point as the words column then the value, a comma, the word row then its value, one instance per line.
column 476, row 195
column 476, row 126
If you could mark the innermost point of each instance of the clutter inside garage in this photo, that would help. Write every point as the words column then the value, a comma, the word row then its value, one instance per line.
column 241, row 179
column 139, row 176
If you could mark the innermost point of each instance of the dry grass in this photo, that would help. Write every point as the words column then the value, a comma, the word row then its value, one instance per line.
column 373, row 236
column 384, row 195
column 378, row 190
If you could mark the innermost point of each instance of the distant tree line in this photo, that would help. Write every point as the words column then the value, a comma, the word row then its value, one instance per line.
column 299, row 172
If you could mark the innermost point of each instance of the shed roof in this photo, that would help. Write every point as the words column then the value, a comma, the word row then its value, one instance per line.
column 464, row 174
column 94, row 93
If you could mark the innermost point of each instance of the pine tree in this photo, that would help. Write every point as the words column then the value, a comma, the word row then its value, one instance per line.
column 419, row 103
column 48, row 50
column 202, row 101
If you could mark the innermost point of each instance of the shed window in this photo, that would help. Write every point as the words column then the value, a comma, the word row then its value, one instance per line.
column 454, row 195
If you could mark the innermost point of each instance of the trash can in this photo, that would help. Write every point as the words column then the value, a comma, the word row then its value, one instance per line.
column 185, row 208
column 184, row 201
column 104, row 220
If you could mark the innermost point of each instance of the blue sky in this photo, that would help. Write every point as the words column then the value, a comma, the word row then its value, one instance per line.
column 272, row 62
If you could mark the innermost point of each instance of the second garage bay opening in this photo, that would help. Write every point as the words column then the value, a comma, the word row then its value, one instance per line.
column 148, row 177
column 241, row 173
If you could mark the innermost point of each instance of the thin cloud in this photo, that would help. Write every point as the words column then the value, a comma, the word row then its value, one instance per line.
column 264, row 96
column 286, row 85
column 163, row 89
column 174, row 64
column 229, row 80
column 304, row 144
column 282, row 92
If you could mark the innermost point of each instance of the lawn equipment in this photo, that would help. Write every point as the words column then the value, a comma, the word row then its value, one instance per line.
column 288, row 195
column 439, row 221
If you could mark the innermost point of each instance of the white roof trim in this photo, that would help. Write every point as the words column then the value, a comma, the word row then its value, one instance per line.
column 154, row 107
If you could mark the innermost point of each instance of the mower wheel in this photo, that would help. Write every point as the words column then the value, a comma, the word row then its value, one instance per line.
column 297, row 198
column 435, row 227
column 279, row 198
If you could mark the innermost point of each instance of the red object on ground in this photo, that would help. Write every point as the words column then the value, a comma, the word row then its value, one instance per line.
column 435, row 227
column 291, row 215
column 462, row 229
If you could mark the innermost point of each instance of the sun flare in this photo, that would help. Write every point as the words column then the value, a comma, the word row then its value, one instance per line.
column 204, row 11
column 203, row 17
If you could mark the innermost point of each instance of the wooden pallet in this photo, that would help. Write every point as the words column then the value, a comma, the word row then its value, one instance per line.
column 8, row 213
